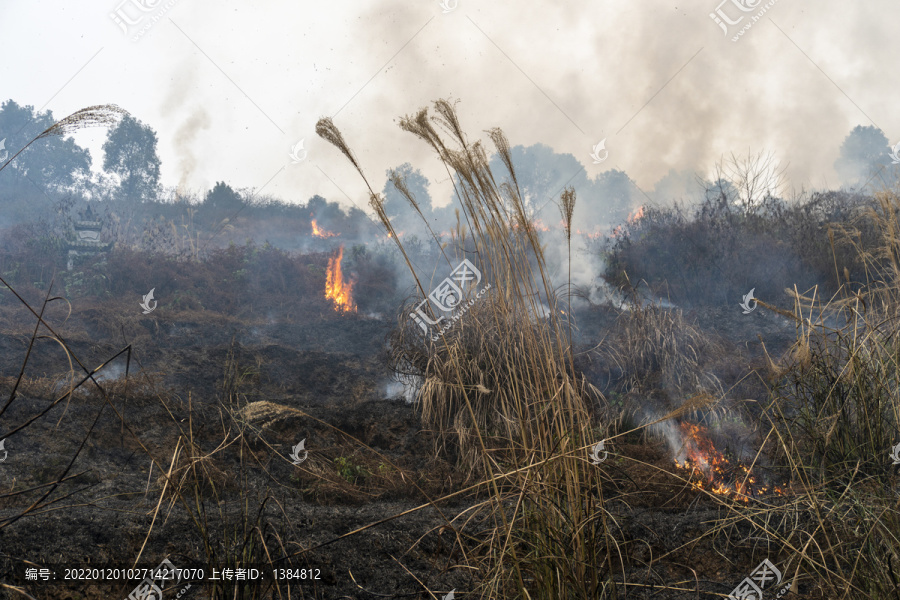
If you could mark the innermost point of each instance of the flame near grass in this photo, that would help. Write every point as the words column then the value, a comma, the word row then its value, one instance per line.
column 337, row 290
column 319, row 232
column 520, row 425
column 712, row 471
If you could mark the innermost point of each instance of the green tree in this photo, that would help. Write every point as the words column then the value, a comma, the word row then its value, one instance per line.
column 53, row 163
column 130, row 153
column 403, row 217
column 678, row 186
column 863, row 153
column 223, row 198
column 542, row 174
column 611, row 196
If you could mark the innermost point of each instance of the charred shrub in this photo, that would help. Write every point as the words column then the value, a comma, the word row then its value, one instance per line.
column 717, row 252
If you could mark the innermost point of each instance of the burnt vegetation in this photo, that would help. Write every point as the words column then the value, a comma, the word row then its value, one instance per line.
column 174, row 431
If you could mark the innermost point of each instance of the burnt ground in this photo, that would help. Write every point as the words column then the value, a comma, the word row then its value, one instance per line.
column 242, row 395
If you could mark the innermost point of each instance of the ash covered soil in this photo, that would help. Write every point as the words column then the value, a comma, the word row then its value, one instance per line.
column 220, row 406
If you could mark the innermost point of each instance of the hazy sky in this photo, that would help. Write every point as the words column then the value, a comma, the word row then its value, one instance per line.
column 230, row 87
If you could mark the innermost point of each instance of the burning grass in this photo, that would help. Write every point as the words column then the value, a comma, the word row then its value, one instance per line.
column 338, row 289
column 502, row 381
column 321, row 233
column 502, row 392
column 709, row 469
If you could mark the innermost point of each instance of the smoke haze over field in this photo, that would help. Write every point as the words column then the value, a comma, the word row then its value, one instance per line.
column 230, row 89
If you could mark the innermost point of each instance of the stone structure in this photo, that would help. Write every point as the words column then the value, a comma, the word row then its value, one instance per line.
column 87, row 237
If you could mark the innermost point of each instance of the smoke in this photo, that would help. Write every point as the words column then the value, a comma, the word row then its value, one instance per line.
column 659, row 88
column 185, row 136
column 180, row 95
column 731, row 433
column 672, row 436
column 661, row 96
column 662, row 103
column 664, row 87
column 111, row 372
column 586, row 266
column 400, row 389
column 678, row 186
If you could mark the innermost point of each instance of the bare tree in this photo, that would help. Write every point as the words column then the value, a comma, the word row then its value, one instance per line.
column 754, row 176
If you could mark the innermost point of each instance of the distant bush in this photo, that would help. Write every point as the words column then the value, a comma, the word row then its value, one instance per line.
column 242, row 281
column 718, row 252
column 29, row 256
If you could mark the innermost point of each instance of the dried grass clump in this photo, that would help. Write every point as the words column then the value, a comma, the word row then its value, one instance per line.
column 834, row 415
column 839, row 385
column 504, row 366
column 492, row 359
column 502, row 380
column 660, row 354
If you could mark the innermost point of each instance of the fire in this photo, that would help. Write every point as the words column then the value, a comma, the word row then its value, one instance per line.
column 318, row 232
column 535, row 224
column 336, row 289
column 597, row 233
column 637, row 215
column 711, row 471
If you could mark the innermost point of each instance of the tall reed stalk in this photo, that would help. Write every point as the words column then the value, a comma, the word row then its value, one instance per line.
column 501, row 384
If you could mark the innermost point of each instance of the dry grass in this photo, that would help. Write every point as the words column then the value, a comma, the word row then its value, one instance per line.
column 659, row 353
column 832, row 417
column 502, row 382
column 502, row 392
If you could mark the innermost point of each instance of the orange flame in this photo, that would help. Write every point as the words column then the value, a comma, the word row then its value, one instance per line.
column 711, row 471
column 337, row 290
column 590, row 234
column 318, row 232
column 637, row 215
